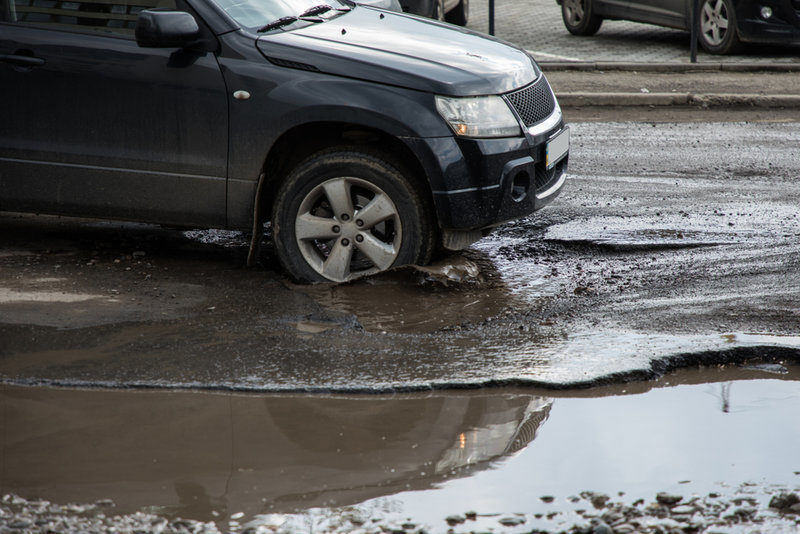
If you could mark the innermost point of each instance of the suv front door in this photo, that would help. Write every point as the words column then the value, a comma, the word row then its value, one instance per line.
column 91, row 124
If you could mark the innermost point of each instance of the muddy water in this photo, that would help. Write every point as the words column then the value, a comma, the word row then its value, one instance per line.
column 208, row 456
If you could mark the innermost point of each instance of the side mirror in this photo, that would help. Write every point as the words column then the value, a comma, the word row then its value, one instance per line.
column 164, row 28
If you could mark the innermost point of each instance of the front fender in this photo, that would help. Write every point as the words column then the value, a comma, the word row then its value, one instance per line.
column 282, row 98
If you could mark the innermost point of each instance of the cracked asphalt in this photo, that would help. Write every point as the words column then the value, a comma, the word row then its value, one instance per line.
column 672, row 245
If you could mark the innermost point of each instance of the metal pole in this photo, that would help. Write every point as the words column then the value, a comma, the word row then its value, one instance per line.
column 491, row 17
column 694, row 32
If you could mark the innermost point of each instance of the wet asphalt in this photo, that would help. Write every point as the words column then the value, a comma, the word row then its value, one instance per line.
column 671, row 245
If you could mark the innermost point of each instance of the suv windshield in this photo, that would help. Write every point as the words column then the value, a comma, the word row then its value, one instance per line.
column 257, row 13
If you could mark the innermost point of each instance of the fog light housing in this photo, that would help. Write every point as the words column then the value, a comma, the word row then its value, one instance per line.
column 766, row 12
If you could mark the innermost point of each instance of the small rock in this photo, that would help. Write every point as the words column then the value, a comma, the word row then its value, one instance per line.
column 409, row 526
column 668, row 499
column 139, row 254
column 611, row 517
column 453, row 520
column 794, row 509
column 20, row 523
column 471, row 515
column 784, row 500
column 599, row 500
column 625, row 528
column 547, row 498
column 602, row 528
column 683, row 509
column 511, row 521
column 584, row 290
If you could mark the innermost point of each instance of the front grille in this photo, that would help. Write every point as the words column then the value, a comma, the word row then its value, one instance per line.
column 534, row 103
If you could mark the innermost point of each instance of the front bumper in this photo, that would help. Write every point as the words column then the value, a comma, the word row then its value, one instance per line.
column 479, row 183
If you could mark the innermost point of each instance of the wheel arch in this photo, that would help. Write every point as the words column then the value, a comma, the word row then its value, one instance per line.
column 301, row 141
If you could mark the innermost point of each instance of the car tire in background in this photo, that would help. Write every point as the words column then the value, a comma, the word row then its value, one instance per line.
column 459, row 15
column 579, row 17
column 344, row 213
column 718, row 33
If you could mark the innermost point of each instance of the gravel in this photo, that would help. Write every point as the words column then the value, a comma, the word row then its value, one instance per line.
column 744, row 511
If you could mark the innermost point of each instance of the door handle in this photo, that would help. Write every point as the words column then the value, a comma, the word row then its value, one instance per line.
column 22, row 61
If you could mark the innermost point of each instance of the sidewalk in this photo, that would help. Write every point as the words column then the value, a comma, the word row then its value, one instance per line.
column 693, row 88
column 536, row 25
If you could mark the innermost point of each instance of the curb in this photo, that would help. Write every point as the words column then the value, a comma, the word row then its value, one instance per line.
column 678, row 99
column 666, row 67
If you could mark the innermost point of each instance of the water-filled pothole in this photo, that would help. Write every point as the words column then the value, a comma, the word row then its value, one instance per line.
column 213, row 457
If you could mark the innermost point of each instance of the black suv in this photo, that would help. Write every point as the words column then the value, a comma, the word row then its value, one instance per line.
column 368, row 138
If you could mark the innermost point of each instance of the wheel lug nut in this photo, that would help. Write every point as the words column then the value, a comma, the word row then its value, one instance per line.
column 359, row 222
column 336, row 229
column 345, row 217
column 359, row 238
column 345, row 242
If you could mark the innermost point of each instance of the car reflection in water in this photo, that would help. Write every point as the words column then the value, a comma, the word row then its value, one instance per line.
column 188, row 454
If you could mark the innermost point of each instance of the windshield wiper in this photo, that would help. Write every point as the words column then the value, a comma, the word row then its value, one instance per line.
column 283, row 21
column 316, row 10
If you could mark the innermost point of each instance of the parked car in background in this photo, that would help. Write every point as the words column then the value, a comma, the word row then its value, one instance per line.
column 452, row 11
column 367, row 138
column 724, row 24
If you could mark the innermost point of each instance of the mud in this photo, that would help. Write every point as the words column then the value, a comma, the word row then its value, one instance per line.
column 672, row 244
column 719, row 438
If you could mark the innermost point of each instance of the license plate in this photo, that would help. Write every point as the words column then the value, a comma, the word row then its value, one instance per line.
column 557, row 148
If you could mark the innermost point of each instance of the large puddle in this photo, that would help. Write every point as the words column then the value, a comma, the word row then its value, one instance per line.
column 299, row 461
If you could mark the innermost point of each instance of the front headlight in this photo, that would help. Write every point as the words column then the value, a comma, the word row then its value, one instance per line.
column 478, row 116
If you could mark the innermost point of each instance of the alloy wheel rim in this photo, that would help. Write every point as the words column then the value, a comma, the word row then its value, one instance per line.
column 714, row 21
column 347, row 228
column 575, row 11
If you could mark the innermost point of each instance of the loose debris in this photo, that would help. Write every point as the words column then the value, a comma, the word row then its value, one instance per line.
column 591, row 513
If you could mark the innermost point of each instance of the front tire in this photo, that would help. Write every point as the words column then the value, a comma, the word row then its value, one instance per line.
column 718, row 34
column 347, row 213
column 579, row 17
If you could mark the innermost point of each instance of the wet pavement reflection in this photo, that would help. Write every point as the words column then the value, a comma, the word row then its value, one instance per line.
column 208, row 456
column 190, row 454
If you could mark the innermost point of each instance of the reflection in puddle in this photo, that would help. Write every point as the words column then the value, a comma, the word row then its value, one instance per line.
column 191, row 454
column 207, row 456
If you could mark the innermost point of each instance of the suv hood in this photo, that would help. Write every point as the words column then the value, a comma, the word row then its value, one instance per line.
column 403, row 50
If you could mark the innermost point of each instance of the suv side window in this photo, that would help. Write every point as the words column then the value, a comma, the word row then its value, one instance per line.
column 112, row 17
